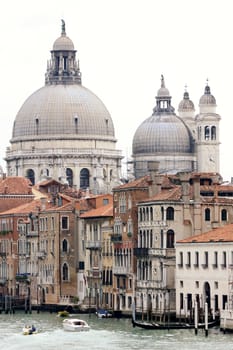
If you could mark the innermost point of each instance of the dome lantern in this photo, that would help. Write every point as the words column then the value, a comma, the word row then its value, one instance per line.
column 63, row 67
column 163, row 100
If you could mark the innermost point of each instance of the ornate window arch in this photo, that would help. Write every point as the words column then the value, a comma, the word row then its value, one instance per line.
column 30, row 175
column 170, row 239
column 84, row 178
column 69, row 176
column 65, row 272
column 170, row 213
column 65, row 245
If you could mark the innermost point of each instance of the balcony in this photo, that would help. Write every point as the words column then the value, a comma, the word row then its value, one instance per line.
column 121, row 270
column 122, row 290
column 3, row 281
column 22, row 277
column 141, row 252
column 155, row 284
column 32, row 234
column 41, row 255
column 94, row 273
column 95, row 245
column 116, row 238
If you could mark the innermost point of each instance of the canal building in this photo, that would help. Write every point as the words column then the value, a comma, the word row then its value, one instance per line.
column 204, row 272
column 97, row 226
column 179, row 207
column 124, row 239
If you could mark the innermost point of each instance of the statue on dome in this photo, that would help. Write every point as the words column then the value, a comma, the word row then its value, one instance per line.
column 63, row 27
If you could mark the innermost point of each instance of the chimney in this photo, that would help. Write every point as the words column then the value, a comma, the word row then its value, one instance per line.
column 156, row 178
column 43, row 203
column 196, row 188
column 185, row 186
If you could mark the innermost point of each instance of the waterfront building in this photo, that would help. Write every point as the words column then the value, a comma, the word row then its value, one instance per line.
column 204, row 266
column 97, row 229
column 125, row 199
column 183, row 142
column 63, row 131
column 179, row 207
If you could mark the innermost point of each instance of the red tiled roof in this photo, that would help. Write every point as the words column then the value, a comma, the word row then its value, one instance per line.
column 137, row 183
column 221, row 234
column 104, row 211
column 15, row 185
column 24, row 208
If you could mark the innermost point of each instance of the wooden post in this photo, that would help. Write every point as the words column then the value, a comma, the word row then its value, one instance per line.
column 196, row 317
column 206, row 319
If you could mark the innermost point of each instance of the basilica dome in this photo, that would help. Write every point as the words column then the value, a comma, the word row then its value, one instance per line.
column 162, row 134
column 164, row 131
column 164, row 138
column 68, row 110
column 63, row 131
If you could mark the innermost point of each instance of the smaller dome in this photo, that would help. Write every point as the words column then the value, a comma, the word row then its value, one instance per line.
column 186, row 104
column 207, row 98
column 64, row 43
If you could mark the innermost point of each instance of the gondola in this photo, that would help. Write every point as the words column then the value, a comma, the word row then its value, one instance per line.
column 172, row 325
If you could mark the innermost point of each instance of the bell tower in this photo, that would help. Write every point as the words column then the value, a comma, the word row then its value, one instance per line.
column 207, row 141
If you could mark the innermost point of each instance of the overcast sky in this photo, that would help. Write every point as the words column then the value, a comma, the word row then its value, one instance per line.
column 123, row 46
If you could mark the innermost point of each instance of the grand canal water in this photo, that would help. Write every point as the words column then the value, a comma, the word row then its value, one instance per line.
column 111, row 334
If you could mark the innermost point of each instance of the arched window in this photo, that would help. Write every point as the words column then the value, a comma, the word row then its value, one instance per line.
column 213, row 132
column 44, row 172
column 224, row 215
column 30, row 175
column 170, row 213
column 207, row 132
column 69, row 176
column 162, row 213
column 65, row 272
column 170, row 239
column 64, row 246
column 207, row 214
column 84, row 178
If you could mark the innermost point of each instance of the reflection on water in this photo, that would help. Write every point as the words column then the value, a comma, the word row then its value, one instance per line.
column 111, row 334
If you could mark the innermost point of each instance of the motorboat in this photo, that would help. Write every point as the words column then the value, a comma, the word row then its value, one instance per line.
column 63, row 313
column 75, row 325
column 29, row 330
column 102, row 313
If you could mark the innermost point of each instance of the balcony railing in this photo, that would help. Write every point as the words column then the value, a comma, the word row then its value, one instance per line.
column 140, row 252
column 3, row 281
column 116, row 238
column 41, row 255
column 22, row 277
column 121, row 270
column 93, row 244
column 94, row 273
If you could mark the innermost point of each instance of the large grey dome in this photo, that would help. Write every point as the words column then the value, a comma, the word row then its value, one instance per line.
column 162, row 134
column 63, row 131
column 68, row 110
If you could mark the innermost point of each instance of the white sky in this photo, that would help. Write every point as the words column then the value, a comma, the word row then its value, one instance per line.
column 124, row 46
